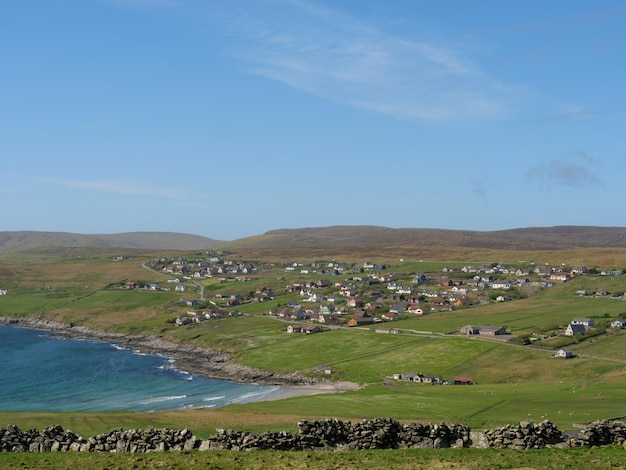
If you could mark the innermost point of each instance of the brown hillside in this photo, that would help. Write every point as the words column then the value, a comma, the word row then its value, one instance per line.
column 19, row 241
column 523, row 239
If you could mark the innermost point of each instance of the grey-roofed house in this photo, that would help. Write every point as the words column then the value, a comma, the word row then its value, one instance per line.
column 575, row 329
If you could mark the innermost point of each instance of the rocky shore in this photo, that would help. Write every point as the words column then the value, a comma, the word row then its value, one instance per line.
column 205, row 361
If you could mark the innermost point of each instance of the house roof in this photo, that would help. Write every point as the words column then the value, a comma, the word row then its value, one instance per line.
column 577, row 328
column 462, row 378
column 494, row 328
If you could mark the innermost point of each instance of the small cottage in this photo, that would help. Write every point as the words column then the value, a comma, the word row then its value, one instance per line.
column 575, row 329
column 462, row 380
column 619, row 323
column 563, row 354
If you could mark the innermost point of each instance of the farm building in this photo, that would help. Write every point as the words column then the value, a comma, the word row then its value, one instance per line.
column 419, row 377
column 490, row 330
column 462, row 380
column 564, row 354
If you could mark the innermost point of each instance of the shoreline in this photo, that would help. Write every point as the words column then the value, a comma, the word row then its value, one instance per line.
column 292, row 391
column 207, row 362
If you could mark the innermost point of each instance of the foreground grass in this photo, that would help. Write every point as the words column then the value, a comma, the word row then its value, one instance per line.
column 598, row 458
column 477, row 406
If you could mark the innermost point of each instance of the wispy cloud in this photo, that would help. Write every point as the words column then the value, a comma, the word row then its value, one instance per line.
column 339, row 57
column 328, row 53
column 130, row 187
column 564, row 173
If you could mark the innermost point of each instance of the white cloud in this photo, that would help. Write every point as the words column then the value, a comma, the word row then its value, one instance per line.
column 334, row 55
column 330, row 54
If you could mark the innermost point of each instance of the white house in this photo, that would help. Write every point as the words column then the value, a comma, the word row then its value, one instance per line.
column 183, row 321
column 314, row 297
column 563, row 354
column 575, row 329
column 619, row 323
column 501, row 285
column 586, row 322
column 405, row 290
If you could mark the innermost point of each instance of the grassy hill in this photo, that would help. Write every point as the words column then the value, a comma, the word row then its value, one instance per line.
column 341, row 238
column 365, row 236
column 27, row 240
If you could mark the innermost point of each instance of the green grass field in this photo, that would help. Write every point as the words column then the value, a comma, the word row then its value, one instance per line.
column 513, row 382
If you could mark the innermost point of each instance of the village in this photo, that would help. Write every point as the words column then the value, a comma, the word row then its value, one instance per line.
column 318, row 297
column 312, row 298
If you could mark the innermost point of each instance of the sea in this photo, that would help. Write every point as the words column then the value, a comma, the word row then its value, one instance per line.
column 40, row 372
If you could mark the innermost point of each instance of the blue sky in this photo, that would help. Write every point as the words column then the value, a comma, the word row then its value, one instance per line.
column 231, row 118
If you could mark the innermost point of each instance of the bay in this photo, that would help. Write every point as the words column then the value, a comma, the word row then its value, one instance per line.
column 39, row 372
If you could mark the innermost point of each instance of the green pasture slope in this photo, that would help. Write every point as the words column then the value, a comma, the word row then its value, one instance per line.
column 512, row 382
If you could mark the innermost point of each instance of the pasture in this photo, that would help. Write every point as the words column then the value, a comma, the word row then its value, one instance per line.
column 513, row 382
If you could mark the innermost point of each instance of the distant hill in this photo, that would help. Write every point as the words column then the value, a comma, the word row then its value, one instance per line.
column 335, row 237
column 18, row 241
column 365, row 236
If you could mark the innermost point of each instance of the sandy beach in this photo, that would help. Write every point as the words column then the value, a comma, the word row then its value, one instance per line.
column 292, row 391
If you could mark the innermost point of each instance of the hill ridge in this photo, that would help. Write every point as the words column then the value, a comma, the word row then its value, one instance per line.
column 24, row 240
column 335, row 236
column 371, row 236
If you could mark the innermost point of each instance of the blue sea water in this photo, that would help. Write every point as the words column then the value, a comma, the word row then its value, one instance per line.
column 42, row 373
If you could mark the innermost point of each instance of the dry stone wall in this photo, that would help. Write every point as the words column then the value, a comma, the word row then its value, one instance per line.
column 329, row 434
column 526, row 435
column 600, row 433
